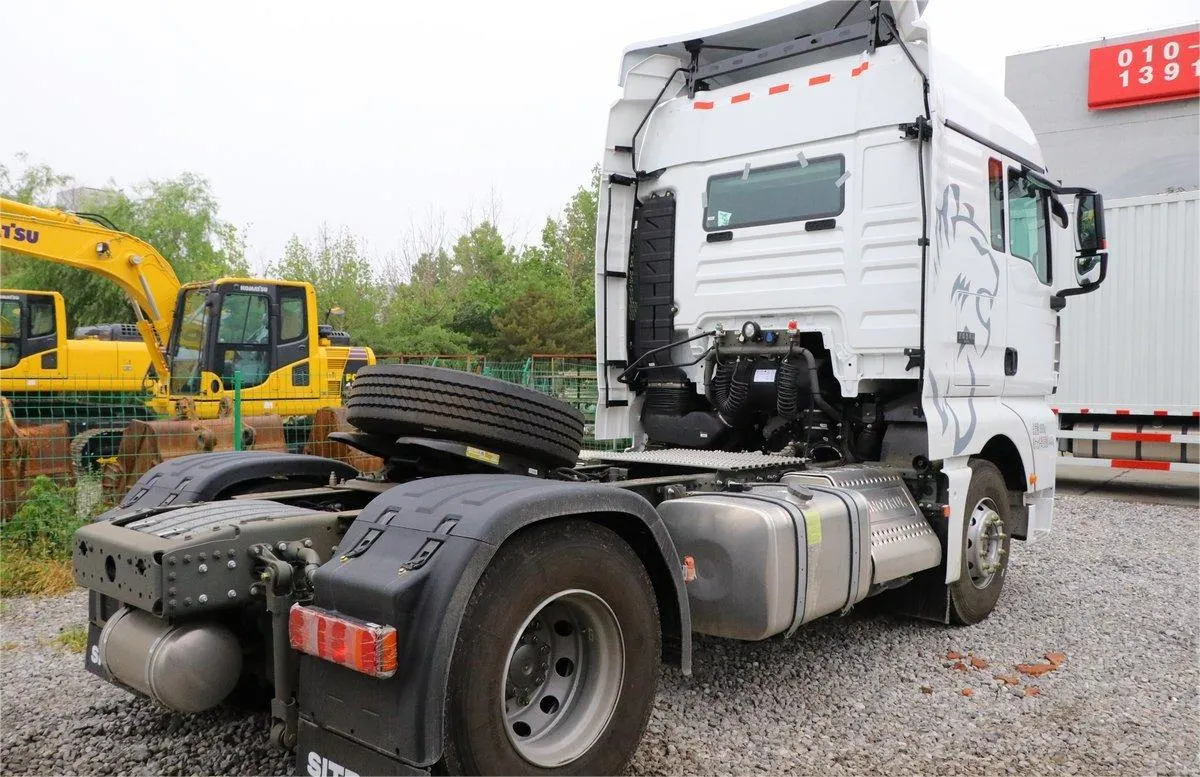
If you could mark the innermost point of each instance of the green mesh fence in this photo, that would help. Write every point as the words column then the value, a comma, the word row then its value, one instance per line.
column 92, row 445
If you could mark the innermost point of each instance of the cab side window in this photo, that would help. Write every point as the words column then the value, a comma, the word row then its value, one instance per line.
column 10, row 333
column 1029, row 223
column 293, row 323
column 41, row 317
column 996, row 202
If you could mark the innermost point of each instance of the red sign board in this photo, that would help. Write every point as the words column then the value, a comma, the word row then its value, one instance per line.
column 1145, row 71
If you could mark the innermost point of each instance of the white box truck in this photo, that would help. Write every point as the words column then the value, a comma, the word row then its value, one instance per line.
column 829, row 271
column 1129, row 377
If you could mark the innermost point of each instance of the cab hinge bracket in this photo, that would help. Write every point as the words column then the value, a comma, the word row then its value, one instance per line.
column 920, row 129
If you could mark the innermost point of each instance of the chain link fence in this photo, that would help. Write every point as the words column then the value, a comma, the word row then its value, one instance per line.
column 95, row 445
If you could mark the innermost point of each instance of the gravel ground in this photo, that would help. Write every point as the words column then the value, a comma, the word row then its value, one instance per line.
column 1114, row 588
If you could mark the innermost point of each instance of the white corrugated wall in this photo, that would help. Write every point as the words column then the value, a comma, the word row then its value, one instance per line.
column 1135, row 342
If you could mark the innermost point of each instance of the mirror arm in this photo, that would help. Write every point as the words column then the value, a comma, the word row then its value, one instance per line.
column 1059, row 299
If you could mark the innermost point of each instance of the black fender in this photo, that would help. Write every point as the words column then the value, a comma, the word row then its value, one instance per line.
column 203, row 477
column 412, row 559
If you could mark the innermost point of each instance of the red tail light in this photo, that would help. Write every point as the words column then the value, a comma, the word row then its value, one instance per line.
column 364, row 647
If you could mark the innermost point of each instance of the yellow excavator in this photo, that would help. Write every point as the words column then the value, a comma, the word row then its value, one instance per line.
column 63, row 400
column 198, row 336
column 36, row 355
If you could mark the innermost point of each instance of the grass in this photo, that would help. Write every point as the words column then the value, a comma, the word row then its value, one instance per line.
column 73, row 639
column 36, row 542
column 22, row 573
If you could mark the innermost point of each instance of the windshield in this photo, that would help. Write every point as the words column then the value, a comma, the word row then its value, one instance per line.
column 186, row 362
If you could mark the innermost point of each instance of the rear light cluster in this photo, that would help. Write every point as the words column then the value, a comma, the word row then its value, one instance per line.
column 364, row 647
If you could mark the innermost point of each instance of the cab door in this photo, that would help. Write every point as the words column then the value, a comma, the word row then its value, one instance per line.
column 292, row 351
column 1029, row 350
column 42, row 334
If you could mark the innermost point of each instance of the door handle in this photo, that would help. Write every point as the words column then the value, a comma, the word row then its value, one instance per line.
column 1010, row 361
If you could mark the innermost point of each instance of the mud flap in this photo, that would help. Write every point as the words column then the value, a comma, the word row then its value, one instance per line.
column 322, row 753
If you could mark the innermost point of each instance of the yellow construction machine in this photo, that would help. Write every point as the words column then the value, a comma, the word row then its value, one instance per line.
column 37, row 356
column 83, row 389
column 198, row 336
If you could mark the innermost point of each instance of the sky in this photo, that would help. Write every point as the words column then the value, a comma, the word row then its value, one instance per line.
column 382, row 118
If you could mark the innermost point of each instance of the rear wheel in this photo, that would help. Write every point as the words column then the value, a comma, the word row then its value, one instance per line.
column 557, row 659
column 985, row 546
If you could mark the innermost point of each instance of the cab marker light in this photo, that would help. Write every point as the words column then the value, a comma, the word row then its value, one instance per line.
column 355, row 644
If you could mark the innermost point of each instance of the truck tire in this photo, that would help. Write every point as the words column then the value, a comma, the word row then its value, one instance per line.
column 557, row 658
column 402, row 400
column 985, row 546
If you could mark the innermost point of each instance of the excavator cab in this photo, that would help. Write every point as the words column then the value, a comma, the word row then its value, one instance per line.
column 28, row 327
column 262, row 329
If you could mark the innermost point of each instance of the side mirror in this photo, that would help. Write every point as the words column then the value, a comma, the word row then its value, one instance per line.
column 337, row 311
column 1090, row 237
column 1089, row 224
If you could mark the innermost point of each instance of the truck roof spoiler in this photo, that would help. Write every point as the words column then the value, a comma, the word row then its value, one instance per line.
column 761, row 45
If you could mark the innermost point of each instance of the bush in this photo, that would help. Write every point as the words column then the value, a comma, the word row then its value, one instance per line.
column 36, row 542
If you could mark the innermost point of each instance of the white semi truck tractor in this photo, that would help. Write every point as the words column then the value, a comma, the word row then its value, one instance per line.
column 829, row 270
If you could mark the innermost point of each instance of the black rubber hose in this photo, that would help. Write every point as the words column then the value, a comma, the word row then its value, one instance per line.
column 787, row 389
column 739, row 396
column 720, row 384
column 815, row 386
column 731, row 394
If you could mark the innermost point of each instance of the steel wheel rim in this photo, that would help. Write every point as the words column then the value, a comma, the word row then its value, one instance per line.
column 562, row 678
column 985, row 543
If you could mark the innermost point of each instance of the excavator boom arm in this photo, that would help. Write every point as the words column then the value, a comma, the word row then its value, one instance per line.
column 133, row 264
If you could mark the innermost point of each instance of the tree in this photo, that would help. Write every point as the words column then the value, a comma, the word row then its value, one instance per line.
column 341, row 275
column 177, row 216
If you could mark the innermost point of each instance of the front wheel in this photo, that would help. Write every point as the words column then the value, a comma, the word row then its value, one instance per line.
column 985, row 546
column 557, row 659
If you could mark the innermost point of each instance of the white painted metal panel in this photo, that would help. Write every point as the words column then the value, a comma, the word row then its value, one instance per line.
column 1135, row 342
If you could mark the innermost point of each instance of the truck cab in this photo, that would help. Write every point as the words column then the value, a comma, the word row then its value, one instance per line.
column 822, row 190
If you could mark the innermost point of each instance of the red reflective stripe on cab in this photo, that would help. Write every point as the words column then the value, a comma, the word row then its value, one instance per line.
column 740, row 98
column 1134, row 464
column 1083, row 410
column 1196, row 414
column 1140, row 437
column 779, row 88
column 819, row 80
column 1122, row 412
column 702, row 106
column 1160, row 412
column 859, row 70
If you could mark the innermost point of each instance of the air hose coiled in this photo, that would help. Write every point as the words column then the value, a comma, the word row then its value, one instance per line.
column 731, row 391
column 787, row 388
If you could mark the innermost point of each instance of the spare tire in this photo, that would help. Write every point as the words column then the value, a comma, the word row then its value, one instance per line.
column 402, row 400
